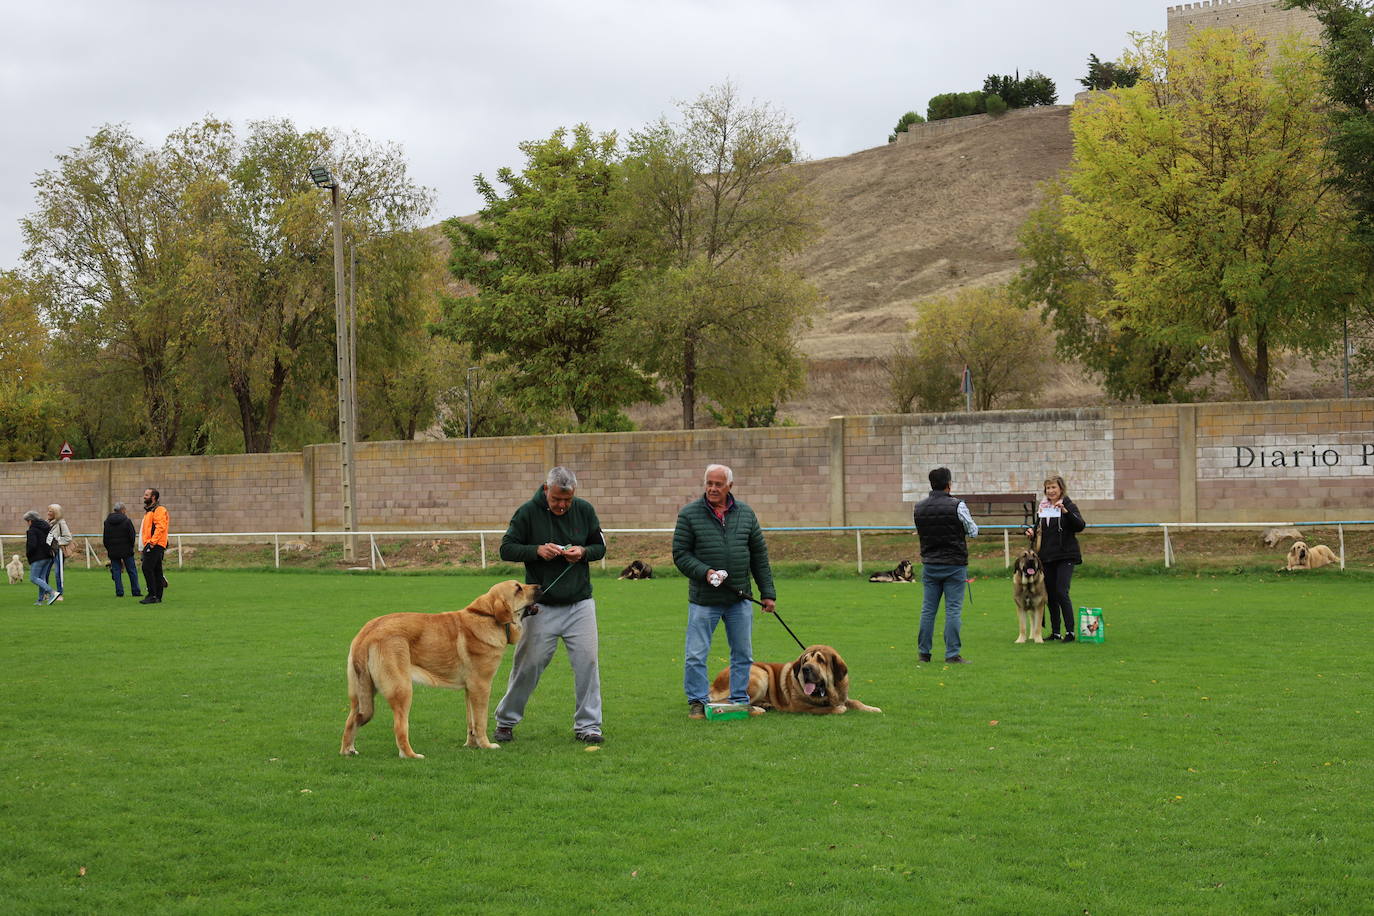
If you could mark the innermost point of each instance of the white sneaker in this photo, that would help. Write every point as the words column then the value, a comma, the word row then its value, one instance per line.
column 56, row 597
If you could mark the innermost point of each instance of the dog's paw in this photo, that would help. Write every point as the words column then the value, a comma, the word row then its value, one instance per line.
column 1020, row 640
column 349, row 752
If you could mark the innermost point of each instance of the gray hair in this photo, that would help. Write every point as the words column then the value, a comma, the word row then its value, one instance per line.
column 729, row 474
column 560, row 478
column 119, row 507
column 32, row 516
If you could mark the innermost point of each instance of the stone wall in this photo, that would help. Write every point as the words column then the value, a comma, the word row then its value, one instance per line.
column 1280, row 460
column 1266, row 18
column 946, row 126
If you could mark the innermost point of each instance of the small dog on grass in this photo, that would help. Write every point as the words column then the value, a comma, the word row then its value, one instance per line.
column 15, row 567
column 637, row 569
column 903, row 573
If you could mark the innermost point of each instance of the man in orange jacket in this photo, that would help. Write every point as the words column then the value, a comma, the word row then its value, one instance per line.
column 154, row 535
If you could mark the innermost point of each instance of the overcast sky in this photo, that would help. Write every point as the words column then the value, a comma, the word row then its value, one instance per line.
column 458, row 84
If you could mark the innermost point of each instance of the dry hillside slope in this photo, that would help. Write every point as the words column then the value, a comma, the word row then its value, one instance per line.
column 909, row 220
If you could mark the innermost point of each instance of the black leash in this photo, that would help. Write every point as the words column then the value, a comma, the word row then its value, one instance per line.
column 744, row 597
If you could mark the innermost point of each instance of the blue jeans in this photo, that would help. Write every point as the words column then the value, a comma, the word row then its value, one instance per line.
column 55, row 569
column 38, row 575
column 942, row 579
column 701, row 623
column 117, row 568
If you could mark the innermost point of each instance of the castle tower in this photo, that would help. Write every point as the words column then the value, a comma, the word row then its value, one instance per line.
column 1265, row 18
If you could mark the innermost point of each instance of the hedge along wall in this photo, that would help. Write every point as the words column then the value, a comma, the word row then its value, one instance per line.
column 1285, row 460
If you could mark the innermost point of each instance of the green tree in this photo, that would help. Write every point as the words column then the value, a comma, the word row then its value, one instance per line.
column 32, row 407
column 920, row 382
column 1090, row 326
column 263, row 259
column 548, row 261
column 1005, row 347
column 903, row 123
column 1033, row 89
column 955, row 105
column 1108, row 74
column 715, row 213
column 409, row 369
column 1202, row 194
column 109, row 244
column 1348, row 52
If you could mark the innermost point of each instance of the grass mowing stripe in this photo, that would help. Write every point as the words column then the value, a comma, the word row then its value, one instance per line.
column 1210, row 757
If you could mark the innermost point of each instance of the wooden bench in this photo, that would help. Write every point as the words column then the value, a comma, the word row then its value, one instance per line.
column 988, row 506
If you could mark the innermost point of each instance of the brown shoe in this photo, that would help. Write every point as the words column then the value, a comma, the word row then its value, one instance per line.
column 696, row 710
column 957, row 660
column 504, row 734
column 925, row 656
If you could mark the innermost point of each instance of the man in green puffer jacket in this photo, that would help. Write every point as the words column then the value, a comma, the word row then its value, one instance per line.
column 718, row 545
column 557, row 536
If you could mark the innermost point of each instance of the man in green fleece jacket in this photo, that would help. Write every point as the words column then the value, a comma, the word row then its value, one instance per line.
column 718, row 545
column 556, row 535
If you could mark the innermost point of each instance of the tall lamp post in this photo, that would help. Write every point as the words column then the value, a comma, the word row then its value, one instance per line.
column 342, row 336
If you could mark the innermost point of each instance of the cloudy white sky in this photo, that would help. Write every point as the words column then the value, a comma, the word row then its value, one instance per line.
column 458, row 84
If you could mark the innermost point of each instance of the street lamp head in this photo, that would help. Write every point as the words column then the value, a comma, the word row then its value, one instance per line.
column 320, row 175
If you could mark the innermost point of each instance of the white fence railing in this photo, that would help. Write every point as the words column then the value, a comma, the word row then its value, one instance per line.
column 376, row 559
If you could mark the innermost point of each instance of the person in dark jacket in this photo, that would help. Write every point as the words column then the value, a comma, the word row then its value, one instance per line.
column 942, row 523
column 557, row 536
column 1054, row 538
column 718, row 545
column 119, row 538
column 39, row 552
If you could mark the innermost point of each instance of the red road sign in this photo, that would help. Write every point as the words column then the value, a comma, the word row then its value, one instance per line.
column 66, row 451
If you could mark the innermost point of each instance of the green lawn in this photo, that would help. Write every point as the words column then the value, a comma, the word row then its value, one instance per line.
column 1212, row 757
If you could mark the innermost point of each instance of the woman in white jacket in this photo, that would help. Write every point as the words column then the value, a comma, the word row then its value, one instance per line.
column 59, row 536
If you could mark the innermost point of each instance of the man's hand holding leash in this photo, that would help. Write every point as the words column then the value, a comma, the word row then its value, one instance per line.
column 716, row 577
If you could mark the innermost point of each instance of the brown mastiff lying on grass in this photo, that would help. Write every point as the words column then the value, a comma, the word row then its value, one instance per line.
column 817, row 682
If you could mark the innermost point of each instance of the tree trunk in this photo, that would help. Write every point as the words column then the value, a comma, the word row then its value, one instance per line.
column 1256, row 379
column 689, row 381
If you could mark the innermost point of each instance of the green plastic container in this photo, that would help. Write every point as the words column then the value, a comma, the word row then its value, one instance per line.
column 724, row 712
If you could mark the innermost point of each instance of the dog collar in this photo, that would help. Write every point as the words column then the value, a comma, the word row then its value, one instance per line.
column 508, row 633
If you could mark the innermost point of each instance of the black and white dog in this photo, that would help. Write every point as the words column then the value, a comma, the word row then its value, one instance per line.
column 637, row 569
column 903, row 573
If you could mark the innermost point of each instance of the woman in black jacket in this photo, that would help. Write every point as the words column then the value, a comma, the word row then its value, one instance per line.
column 1054, row 539
column 40, row 556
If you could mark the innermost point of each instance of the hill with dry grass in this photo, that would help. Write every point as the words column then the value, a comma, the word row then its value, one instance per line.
column 905, row 221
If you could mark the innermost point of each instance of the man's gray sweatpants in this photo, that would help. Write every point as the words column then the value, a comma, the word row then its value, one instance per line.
column 576, row 625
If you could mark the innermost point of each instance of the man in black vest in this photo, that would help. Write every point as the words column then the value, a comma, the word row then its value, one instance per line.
column 943, row 522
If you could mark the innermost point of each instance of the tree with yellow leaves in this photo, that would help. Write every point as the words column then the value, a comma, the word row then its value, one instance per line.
column 1203, row 195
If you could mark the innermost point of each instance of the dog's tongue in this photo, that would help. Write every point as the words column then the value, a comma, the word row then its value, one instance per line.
column 808, row 688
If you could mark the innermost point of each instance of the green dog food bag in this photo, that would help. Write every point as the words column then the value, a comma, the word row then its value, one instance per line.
column 1092, row 625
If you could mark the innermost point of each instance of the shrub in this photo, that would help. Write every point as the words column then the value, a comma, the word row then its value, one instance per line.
column 903, row 123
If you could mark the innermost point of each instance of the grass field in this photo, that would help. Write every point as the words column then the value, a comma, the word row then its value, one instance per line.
column 1212, row 757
